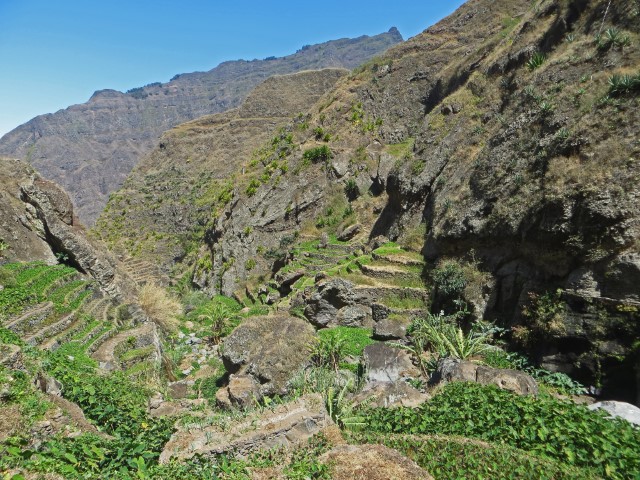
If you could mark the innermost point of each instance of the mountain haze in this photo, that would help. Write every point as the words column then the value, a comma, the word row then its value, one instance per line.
column 90, row 148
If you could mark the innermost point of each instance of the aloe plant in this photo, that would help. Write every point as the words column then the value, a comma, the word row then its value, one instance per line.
column 442, row 334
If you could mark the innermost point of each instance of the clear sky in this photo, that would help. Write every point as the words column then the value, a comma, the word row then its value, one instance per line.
column 55, row 53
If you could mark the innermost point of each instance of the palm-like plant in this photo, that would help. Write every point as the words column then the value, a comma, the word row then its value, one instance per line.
column 342, row 410
column 219, row 316
column 442, row 334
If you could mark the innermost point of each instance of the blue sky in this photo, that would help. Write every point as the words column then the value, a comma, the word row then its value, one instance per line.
column 55, row 53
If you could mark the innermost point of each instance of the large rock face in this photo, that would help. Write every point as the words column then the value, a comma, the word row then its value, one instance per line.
column 37, row 222
column 90, row 148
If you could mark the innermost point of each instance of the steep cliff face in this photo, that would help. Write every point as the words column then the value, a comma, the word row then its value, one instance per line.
column 90, row 148
column 502, row 137
column 38, row 224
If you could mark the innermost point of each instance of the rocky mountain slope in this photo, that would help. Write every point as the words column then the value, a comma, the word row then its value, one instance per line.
column 90, row 148
column 501, row 143
column 409, row 265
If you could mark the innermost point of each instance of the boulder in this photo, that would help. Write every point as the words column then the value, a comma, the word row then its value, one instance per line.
column 349, row 232
column 330, row 296
column 388, row 364
column 49, row 385
column 371, row 462
column 392, row 328
column 453, row 369
column 623, row 410
column 354, row 316
column 391, row 394
column 242, row 390
column 268, row 349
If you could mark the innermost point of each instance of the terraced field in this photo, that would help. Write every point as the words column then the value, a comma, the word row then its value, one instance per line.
column 51, row 305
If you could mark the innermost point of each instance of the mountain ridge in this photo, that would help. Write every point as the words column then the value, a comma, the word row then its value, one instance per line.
column 89, row 148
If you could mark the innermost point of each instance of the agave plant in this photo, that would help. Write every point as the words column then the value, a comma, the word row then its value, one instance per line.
column 536, row 60
column 342, row 410
column 443, row 334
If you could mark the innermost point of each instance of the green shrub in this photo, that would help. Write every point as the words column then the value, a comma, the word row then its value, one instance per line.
column 624, row 84
column 317, row 154
column 448, row 277
column 253, row 186
column 612, row 37
column 543, row 426
column 536, row 60
column 351, row 189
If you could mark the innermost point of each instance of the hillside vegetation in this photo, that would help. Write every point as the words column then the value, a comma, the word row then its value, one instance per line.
column 423, row 268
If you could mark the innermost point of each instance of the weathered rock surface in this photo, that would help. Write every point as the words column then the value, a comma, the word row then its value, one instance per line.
column 287, row 425
column 269, row 350
column 455, row 370
column 390, row 394
column 371, row 462
column 90, row 148
column 623, row 410
column 384, row 363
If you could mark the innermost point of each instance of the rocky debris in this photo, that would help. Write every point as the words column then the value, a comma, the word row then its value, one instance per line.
column 623, row 410
column 180, row 389
column 11, row 357
column 452, row 370
column 371, row 462
column 349, row 232
column 286, row 425
column 241, row 391
column 269, row 349
column 159, row 407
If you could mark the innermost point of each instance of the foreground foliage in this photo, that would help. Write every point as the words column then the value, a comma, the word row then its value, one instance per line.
column 545, row 427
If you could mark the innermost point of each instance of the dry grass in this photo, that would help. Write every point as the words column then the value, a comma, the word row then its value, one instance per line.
column 160, row 307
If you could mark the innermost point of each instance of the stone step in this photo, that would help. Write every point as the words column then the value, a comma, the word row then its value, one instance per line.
column 381, row 292
column 51, row 330
column 379, row 271
column 144, row 334
column 52, row 344
column 96, row 342
column 398, row 259
column 10, row 355
column 31, row 319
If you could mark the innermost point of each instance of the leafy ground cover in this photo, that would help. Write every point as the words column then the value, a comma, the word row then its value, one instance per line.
column 545, row 427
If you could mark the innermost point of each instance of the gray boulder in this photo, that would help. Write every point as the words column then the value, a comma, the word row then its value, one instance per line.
column 269, row 349
column 330, row 296
column 388, row 364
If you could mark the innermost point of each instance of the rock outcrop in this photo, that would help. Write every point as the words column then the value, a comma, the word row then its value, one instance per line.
column 287, row 425
column 455, row 370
